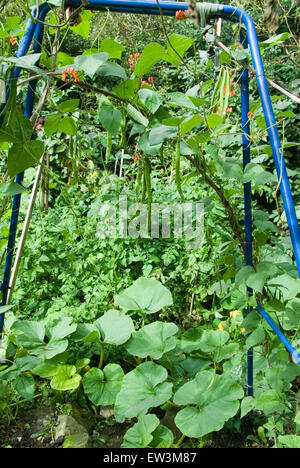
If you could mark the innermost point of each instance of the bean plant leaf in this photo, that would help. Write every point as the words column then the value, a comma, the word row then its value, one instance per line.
column 110, row 119
column 143, row 388
column 146, row 294
column 151, row 54
column 91, row 63
column 21, row 156
column 153, row 340
column 102, row 387
column 216, row 399
column 150, row 99
column 140, row 434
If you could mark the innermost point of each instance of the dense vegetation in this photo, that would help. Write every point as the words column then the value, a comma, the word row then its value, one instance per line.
column 136, row 107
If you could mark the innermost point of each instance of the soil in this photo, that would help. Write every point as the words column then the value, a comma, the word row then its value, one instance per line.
column 35, row 428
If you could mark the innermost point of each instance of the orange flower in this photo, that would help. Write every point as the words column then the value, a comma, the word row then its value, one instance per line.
column 145, row 83
column 150, row 79
column 232, row 92
column 68, row 74
column 134, row 158
column 180, row 14
column 228, row 109
column 12, row 41
column 218, row 110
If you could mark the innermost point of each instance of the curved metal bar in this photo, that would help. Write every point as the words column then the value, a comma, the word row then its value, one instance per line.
column 230, row 12
column 279, row 333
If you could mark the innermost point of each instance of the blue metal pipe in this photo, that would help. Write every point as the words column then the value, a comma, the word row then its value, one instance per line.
column 231, row 12
column 279, row 333
column 247, row 197
column 37, row 30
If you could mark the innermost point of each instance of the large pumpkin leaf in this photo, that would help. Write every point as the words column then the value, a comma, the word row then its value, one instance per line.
column 215, row 398
column 66, row 378
column 213, row 340
column 142, row 388
column 146, row 294
column 153, row 340
column 102, row 387
column 139, row 435
column 24, row 386
column 31, row 333
column 115, row 328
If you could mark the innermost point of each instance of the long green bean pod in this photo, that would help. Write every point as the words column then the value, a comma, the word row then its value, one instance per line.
column 147, row 177
column 108, row 146
column 177, row 169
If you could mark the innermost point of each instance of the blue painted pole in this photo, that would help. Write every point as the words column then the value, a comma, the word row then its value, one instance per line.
column 36, row 30
column 237, row 14
column 247, row 197
column 279, row 333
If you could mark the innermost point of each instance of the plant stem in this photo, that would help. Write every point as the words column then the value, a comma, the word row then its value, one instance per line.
column 101, row 357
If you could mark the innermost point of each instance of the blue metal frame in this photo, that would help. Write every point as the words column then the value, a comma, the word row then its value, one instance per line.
column 166, row 8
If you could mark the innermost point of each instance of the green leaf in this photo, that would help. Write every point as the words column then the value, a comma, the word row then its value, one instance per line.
column 110, row 119
column 32, row 333
column 87, row 333
column 269, row 402
column 288, row 286
column 127, row 89
column 115, row 328
column 227, row 351
column 18, row 131
column 190, row 123
column 211, row 340
column 216, row 399
column 68, row 106
column 153, row 340
column 289, row 441
column 214, row 120
column 102, row 387
column 68, row 126
column 91, row 63
column 112, row 69
column 52, row 124
column 181, row 44
column 83, row 28
column 256, row 337
column 50, row 349
column 150, row 99
column 24, row 386
column 46, row 369
column 62, row 328
column 113, row 48
column 66, row 378
column 22, row 156
column 162, row 437
column 190, row 340
column 147, row 145
column 247, row 405
column 10, row 189
column 151, row 54
column 180, row 100
column 146, row 294
column 142, row 388
column 140, row 434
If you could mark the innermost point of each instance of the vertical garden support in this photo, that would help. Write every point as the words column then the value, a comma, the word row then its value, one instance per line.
column 206, row 12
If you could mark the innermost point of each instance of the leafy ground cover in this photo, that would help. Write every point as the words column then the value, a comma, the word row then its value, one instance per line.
column 148, row 328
